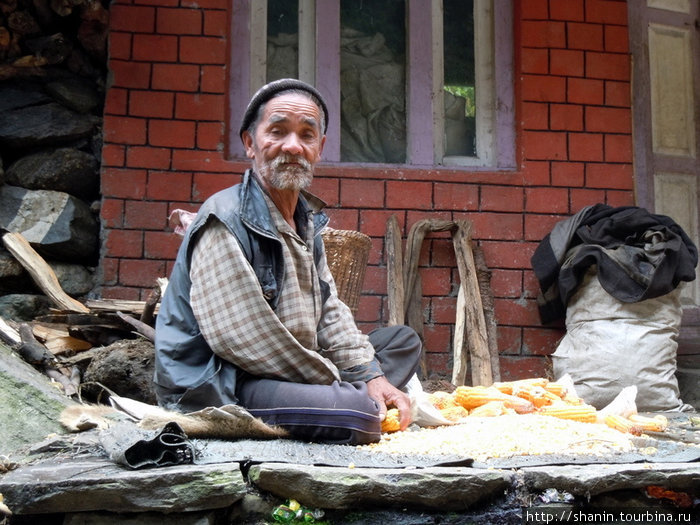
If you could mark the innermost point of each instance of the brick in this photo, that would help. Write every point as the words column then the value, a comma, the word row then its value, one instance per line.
column 192, row 160
column 501, row 198
column 540, row 341
column 538, row 226
column 148, row 157
column 508, row 254
column 619, row 198
column 157, row 104
column 112, row 213
column 206, row 4
column 160, row 3
column 438, row 364
column 327, row 189
column 610, row 176
column 509, row 341
column 124, row 130
column 375, row 281
column 540, row 145
column 161, row 245
column 497, row 226
column 567, row 174
column 169, row 186
column 535, row 60
column 155, row 48
column 121, row 293
column 172, row 133
column 412, row 195
column 134, row 75
column 585, row 91
column 358, row 193
column 443, row 309
column 587, row 37
column 608, row 66
column 202, row 50
column 373, row 222
column 142, row 273
column 210, row 135
column 176, row 77
column 199, row 107
column 539, row 88
column 145, row 215
column 442, row 252
column 213, row 79
column 606, row 12
column 618, row 148
column 585, row 197
column 517, row 312
column 535, row 173
column 178, row 21
column 506, row 283
column 124, row 243
column 536, row 10
column 461, row 197
column 116, row 101
column 586, row 147
column 608, row 120
column 566, row 62
column 123, row 183
column 617, row 94
column 131, row 18
column 368, row 310
column 113, row 155
column 546, row 200
column 535, row 115
column 566, row 117
column 438, row 339
column 215, row 23
column 204, row 185
column 517, row 367
column 566, row 10
column 110, row 272
column 343, row 219
column 543, row 34
column 616, row 39
column 119, row 45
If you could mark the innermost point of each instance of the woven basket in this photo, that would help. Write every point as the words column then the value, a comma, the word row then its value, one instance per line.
column 347, row 252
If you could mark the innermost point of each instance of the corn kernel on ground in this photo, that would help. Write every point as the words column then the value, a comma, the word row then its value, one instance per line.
column 481, row 438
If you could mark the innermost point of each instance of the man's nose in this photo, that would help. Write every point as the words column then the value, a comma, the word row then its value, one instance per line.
column 292, row 144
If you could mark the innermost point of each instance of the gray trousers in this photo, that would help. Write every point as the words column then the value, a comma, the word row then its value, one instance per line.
column 341, row 412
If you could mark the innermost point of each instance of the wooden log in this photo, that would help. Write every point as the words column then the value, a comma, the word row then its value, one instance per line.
column 394, row 273
column 459, row 344
column 41, row 272
column 8, row 334
column 31, row 350
column 474, row 327
column 484, row 277
column 149, row 308
column 142, row 328
column 57, row 339
column 116, row 305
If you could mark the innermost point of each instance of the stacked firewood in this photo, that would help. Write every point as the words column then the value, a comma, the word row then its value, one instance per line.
column 38, row 33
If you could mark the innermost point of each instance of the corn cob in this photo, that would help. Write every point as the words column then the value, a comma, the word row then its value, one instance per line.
column 454, row 413
column 583, row 412
column 555, row 388
column 537, row 395
column 391, row 422
column 471, row 397
column 441, row 400
column 622, row 424
column 507, row 387
column 658, row 423
column 490, row 409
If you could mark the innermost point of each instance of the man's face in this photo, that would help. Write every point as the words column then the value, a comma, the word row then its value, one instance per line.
column 287, row 142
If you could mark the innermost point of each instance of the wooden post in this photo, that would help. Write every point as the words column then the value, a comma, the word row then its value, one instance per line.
column 394, row 273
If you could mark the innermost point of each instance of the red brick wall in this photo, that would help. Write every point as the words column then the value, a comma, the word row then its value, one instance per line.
column 164, row 135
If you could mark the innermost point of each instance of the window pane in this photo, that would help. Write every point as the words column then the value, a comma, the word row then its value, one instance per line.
column 282, row 39
column 460, row 112
column 372, row 70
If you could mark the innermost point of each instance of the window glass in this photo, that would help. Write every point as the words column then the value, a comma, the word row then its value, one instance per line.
column 373, row 81
column 282, row 39
column 459, row 78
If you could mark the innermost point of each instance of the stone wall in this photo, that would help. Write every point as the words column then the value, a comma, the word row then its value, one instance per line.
column 52, row 85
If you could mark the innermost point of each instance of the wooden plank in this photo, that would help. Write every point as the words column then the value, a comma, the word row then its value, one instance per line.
column 394, row 273
column 475, row 324
column 41, row 272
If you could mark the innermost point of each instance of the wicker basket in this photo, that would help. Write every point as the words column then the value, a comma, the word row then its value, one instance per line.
column 347, row 252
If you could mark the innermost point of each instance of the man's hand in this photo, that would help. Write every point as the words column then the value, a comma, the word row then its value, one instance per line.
column 387, row 394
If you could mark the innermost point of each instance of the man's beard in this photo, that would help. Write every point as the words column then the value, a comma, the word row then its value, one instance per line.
column 287, row 172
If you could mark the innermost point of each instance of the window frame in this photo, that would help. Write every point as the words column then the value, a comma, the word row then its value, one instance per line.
column 319, row 65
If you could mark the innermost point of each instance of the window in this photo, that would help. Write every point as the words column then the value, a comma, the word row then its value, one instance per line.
column 407, row 82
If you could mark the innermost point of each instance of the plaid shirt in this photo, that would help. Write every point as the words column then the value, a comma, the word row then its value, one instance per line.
column 303, row 340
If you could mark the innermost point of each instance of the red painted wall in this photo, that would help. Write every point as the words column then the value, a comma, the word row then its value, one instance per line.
column 163, row 149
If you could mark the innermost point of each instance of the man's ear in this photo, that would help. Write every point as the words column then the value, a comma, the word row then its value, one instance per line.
column 320, row 149
column 247, row 139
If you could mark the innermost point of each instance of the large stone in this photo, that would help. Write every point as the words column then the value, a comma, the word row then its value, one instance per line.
column 75, row 279
column 57, row 225
column 64, row 169
column 47, row 124
column 21, row 95
column 440, row 488
column 29, row 404
column 24, row 306
column 97, row 484
column 75, row 93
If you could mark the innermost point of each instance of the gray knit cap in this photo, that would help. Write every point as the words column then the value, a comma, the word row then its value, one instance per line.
column 269, row 90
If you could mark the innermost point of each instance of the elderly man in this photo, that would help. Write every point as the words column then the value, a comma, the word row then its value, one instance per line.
column 251, row 314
